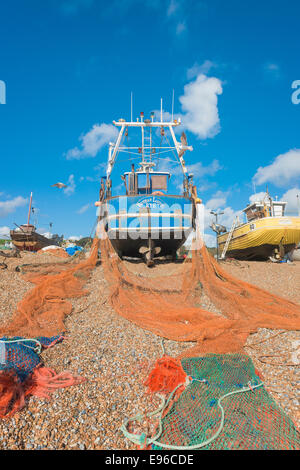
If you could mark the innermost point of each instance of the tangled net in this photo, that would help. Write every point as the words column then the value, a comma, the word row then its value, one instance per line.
column 221, row 404
column 156, row 305
column 43, row 309
column 59, row 252
column 22, row 373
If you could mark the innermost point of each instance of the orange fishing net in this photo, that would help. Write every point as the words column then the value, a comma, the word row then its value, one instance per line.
column 172, row 312
column 43, row 309
column 60, row 252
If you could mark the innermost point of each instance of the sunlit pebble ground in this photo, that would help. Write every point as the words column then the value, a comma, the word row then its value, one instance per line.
column 115, row 356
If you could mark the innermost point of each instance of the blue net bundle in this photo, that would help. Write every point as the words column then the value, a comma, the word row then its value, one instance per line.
column 22, row 373
column 22, row 355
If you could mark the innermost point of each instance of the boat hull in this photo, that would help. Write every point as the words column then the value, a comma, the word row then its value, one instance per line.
column 30, row 241
column 257, row 240
column 132, row 223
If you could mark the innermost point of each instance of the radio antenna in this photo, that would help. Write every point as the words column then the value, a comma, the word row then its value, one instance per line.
column 131, row 106
column 161, row 110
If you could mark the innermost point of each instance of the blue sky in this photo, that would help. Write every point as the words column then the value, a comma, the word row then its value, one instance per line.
column 69, row 67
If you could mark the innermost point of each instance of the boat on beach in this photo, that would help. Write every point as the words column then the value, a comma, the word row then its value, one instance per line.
column 148, row 220
column 25, row 237
column 267, row 233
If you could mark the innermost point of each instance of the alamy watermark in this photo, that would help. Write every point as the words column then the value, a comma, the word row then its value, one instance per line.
column 152, row 216
column 296, row 94
column 2, row 92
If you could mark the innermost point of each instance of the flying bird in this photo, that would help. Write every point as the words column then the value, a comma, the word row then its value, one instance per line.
column 59, row 185
column 183, row 140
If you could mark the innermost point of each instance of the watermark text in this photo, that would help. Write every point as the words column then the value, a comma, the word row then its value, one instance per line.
column 296, row 94
column 2, row 92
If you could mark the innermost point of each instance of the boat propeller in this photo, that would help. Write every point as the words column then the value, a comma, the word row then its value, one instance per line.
column 149, row 252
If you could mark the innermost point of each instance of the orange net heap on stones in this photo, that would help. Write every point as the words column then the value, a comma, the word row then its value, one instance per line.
column 163, row 305
column 59, row 252
column 43, row 309
column 156, row 305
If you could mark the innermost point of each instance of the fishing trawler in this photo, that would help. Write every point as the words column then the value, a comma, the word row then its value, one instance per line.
column 25, row 237
column 148, row 221
column 267, row 233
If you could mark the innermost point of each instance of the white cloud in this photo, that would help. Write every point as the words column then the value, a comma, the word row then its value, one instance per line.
column 74, row 238
column 200, row 106
column 83, row 209
column 257, row 197
column 217, row 201
column 200, row 115
column 198, row 169
column 4, row 232
column 44, row 232
column 197, row 69
column 225, row 219
column 71, row 186
column 210, row 240
column 272, row 69
column 93, row 141
column 284, row 170
column 292, row 207
column 7, row 207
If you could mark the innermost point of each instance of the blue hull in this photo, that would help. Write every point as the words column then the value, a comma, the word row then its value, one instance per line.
column 133, row 221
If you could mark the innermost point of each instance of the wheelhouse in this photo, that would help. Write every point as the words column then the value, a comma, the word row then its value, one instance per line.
column 146, row 182
column 268, row 208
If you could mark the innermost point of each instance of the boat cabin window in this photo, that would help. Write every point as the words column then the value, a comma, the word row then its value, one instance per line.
column 255, row 212
column 258, row 211
column 143, row 181
column 131, row 183
column 278, row 209
column 159, row 182
column 146, row 183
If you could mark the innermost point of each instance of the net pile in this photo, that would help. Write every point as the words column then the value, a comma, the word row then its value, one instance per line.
column 22, row 373
column 59, row 252
column 223, row 406
column 171, row 312
column 40, row 313
column 43, row 309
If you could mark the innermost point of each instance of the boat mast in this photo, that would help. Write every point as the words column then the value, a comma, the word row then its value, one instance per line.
column 144, row 124
column 29, row 211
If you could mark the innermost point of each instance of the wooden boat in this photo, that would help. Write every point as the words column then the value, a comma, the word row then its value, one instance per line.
column 25, row 237
column 267, row 232
column 147, row 221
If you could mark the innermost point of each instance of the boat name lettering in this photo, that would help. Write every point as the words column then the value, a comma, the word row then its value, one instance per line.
column 151, row 202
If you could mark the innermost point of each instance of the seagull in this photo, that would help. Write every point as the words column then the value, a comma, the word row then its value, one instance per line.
column 183, row 144
column 59, row 185
column 183, row 139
